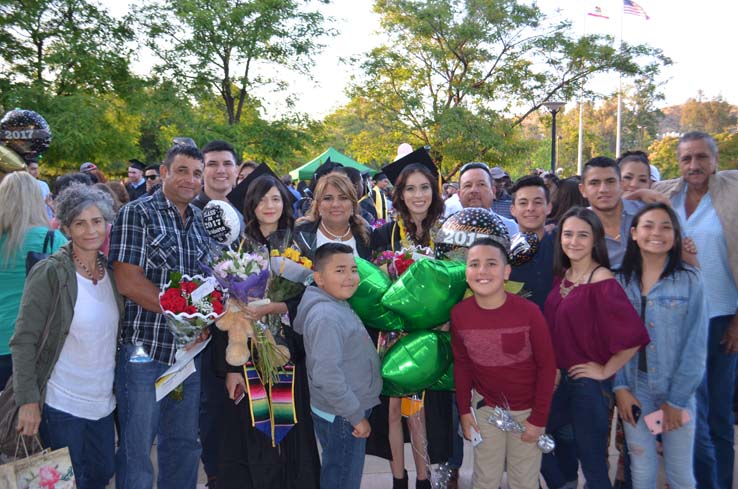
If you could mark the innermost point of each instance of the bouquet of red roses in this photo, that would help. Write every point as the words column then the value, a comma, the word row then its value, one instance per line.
column 190, row 304
column 394, row 263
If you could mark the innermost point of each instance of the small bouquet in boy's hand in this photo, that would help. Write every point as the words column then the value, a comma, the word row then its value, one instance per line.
column 190, row 304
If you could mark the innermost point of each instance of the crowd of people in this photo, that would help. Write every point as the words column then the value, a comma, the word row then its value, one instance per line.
column 629, row 301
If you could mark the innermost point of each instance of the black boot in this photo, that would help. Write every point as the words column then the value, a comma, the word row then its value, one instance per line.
column 400, row 483
column 422, row 484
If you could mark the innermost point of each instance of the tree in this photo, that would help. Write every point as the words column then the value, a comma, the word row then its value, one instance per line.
column 227, row 46
column 484, row 65
column 63, row 46
column 712, row 116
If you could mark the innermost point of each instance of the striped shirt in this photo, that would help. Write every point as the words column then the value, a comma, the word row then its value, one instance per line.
column 704, row 227
column 149, row 233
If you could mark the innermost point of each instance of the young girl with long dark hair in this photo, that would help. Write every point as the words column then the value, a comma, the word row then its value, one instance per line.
column 665, row 375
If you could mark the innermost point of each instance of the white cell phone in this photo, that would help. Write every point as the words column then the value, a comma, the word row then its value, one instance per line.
column 476, row 437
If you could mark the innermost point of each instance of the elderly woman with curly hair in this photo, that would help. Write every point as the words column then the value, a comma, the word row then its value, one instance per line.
column 65, row 341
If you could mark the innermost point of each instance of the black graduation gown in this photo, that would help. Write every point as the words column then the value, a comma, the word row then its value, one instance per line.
column 438, row 408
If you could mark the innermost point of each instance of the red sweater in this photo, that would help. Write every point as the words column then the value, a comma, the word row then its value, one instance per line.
column 505, row 354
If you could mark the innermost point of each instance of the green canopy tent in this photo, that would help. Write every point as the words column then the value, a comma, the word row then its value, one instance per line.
column 305, row 172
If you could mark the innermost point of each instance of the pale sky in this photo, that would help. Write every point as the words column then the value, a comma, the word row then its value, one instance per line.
column 695, row 35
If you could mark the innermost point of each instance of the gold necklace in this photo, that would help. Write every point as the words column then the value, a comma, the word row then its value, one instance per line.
column 335, row 237
column 100, row 269
column 404, row 238
column 564, row 291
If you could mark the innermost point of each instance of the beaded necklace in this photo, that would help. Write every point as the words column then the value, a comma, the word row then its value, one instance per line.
column 100, row 268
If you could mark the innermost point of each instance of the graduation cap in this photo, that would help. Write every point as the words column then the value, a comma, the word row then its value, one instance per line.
column 323, row 170
column 134, row 163
column 238, row 194
column 417, row 157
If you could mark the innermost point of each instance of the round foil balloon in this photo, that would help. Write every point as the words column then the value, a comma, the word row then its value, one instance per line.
column 417, row 361
column 26, row 133
column 523, row 247
column 367, row 300
column 460, row 230
column 221, row 222
column 446, row 382
column 424, row 295
column 10, row 161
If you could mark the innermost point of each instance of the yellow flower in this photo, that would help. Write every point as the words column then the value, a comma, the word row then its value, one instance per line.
column 274, row 253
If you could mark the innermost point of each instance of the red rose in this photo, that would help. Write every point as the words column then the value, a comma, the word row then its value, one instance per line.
column 173, row 301
column 190, row 310
column 188, row 287
column 402, row 264
column 217, row 306
column 216, row 296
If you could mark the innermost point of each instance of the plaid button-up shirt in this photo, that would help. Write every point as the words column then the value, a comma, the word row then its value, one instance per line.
column 149, row 233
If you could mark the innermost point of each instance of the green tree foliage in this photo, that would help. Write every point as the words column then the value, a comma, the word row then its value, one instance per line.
column 712, row 116
column 63, row 46
column 462, row 75
column 224, row 45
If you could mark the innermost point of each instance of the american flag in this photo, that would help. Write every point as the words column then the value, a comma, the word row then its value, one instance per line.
column 632, row 8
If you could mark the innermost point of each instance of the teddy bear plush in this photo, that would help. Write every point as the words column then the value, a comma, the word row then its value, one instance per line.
column 239, row 331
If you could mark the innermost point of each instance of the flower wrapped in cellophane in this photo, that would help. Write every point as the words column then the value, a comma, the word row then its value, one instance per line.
column 394, row 263
column 246, row 274
column 190, row 304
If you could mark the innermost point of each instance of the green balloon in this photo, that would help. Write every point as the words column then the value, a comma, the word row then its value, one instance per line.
column 424, row 295
column 367, row 300
column 446, row 382
column 417, row 361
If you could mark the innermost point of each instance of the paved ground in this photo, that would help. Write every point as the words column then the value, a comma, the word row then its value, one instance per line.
column 377, row 474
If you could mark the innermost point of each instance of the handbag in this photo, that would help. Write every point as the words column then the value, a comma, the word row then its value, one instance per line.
column 10, row 438
column 49, row 469
column 34, row 257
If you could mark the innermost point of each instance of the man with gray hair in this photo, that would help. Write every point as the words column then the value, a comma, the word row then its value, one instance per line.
column 706, row 201
column 152, row 237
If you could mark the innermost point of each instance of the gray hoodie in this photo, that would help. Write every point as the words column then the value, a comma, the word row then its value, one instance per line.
column 342, row 363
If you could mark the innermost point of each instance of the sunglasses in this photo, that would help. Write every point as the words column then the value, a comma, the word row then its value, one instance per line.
column 151, row 177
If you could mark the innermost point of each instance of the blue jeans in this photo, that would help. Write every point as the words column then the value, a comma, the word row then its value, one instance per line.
column 91, row 445
column 561, row 466
column 174, row 422
column 342, row 461
column 678, row 445
column 585, row 404
column 713, row 451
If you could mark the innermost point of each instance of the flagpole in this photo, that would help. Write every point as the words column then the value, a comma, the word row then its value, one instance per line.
column 580, row 143
column 620, row 91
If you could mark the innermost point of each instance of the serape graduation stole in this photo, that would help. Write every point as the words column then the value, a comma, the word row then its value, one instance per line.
column 272, row 406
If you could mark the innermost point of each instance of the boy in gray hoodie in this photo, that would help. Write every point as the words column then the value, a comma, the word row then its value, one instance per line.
column 343, row 366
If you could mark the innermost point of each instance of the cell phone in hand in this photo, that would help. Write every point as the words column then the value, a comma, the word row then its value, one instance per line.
column 238, row 394
column 655, row 420
column 636, row 412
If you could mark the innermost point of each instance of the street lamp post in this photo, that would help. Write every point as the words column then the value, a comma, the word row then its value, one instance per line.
column 554, row 108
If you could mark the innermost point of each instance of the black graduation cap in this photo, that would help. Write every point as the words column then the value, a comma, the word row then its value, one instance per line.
column 134, row 163
column 238, row 194
column 419, row 156
column 324, row 169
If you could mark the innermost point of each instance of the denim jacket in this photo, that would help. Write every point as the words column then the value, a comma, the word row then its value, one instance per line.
column 676, row 320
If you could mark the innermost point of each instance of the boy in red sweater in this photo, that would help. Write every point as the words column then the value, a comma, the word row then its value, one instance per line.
column 502, row 357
